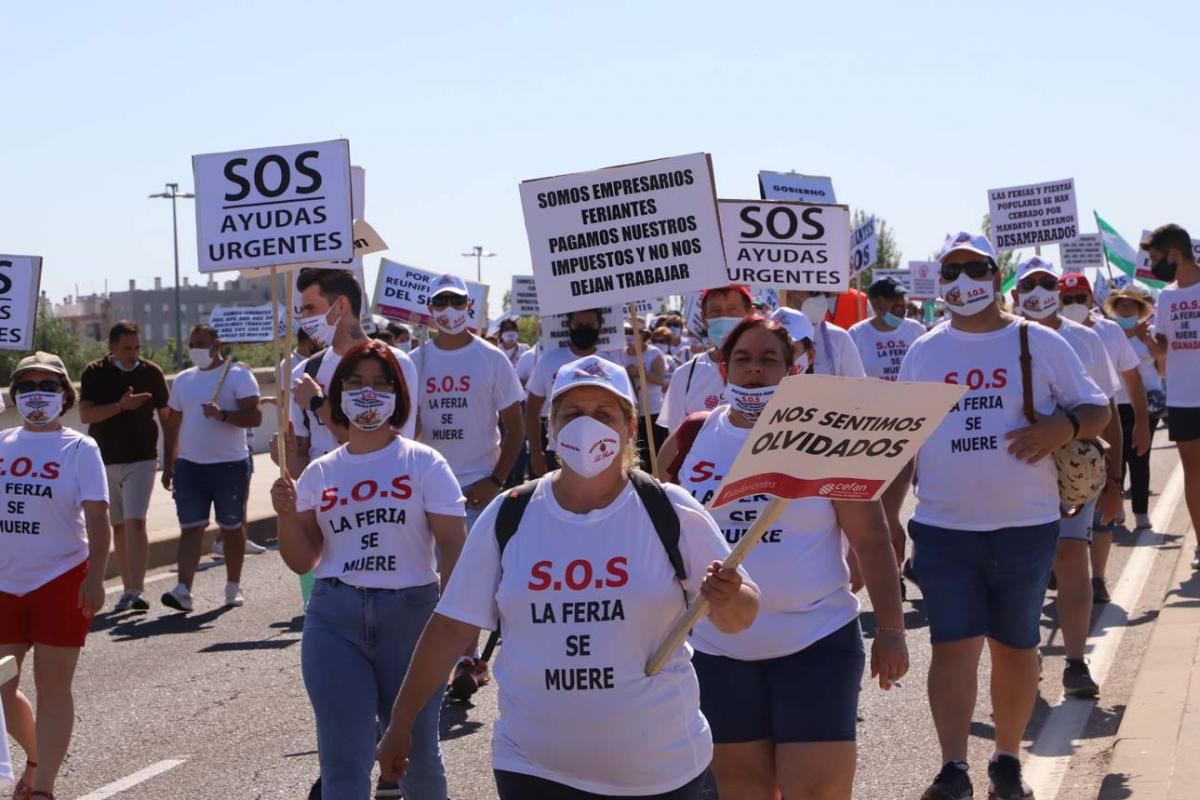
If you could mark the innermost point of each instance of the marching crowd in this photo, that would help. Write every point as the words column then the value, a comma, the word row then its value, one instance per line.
column 474, row 484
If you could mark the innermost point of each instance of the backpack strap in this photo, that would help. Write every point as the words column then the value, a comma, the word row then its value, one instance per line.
column 1027, row 373
column 685, row 436
column 512, row 508
column 691, row 372
column 312, row 366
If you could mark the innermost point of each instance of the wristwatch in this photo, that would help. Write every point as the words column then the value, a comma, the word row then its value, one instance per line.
column 319, row 400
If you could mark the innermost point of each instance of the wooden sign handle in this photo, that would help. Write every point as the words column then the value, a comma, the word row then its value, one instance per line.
column 221, row 379
column 645, row 391
column 282, row 378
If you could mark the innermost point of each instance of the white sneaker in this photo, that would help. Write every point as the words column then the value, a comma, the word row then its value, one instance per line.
column 233, row 595
column 178, row 598
column 219, row 548
column 1143, row 522
column 253, row 548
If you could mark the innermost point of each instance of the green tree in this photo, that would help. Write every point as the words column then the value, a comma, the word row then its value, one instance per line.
column 888, row 252
column 54, row 335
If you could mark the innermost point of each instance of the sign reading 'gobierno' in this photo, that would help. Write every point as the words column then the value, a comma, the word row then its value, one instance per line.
column 623, row 233
column 273, row 206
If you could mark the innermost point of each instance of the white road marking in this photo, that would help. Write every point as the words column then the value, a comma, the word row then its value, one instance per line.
column 152, row 579
column 1048, row 759
column 129, row 781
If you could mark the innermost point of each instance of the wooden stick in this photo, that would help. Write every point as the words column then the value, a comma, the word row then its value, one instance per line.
column 287, row 357
column 697, row 609
column 281, row 378
column 221, row 379
column 645, row 390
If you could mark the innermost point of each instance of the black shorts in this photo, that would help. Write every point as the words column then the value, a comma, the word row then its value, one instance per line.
column 1183, row 424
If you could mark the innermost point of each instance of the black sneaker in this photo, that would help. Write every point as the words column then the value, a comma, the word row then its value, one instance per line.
column 1078, row 682
column 1100, row 591
column 952, row 783
column 384, row 790
column 1005, row 775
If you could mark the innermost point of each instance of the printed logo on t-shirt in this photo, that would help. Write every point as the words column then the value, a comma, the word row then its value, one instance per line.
column 360, row 516
column 976, row 400
column 14, row 519
column 1182, row 316
column 712, row 401
column 447, row 395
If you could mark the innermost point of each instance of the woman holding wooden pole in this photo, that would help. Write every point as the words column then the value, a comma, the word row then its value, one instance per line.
column 782, row 696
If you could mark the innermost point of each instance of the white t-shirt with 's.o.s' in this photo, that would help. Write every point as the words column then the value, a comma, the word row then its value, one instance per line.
column 371, row 509
column 1179, row 321
column 209, row 441
column 1090, row 348
column 46, row 477
column 798, row 565
column 584, row 600
column 695, row 386
column 966, row 478
column 882, row 352
column 307, row 424
column 460, row 396
column 835, row 353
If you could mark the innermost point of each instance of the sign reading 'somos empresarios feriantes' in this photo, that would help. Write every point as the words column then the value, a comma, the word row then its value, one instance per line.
column 623, row 233
column 273, row 206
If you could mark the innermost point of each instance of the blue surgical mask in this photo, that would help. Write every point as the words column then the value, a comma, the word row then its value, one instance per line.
column 891, row 320
column 1128, row 323
column 124, row 368
column 719, row 328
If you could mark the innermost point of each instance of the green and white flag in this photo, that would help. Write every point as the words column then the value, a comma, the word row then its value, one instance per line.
column 1119, row 252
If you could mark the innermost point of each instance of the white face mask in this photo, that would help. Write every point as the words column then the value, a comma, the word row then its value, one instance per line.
column 368, row 409
column 967, row 297
column 815, row 308
column 319, row 329
column 510, row 337
column 1076, row 312
column 39, row 408
column 749, row 402
column 1038, row 304
column 406, row 346
column 452, row 320
column 587, row 446
column 201, row 357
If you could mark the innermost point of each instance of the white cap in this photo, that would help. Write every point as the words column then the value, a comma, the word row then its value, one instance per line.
column 1037, row 264
column 971, row 242
column 448, row 283
column 795, row 323
column 593, row 371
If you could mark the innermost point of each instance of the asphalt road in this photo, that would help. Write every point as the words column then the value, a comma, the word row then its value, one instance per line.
column 211, row 705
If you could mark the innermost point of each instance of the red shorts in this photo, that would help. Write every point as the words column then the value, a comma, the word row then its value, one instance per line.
column 49, row 615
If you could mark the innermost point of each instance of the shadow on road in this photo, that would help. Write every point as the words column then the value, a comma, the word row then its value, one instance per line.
column 455, row 724
column 126, row 629
column 1115, row 787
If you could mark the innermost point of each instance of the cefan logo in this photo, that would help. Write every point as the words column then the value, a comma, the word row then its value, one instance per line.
column 711, row 401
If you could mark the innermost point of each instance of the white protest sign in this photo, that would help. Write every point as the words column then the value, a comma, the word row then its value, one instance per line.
column 1143, row 258
column 556, row 335
column 900, row 276
column 273, row 206
column 837, row 438
column 623, row 233
column 236, row 324
column 649, row 306
column 20, row 282
column 523, row 299
column 923, row 280
column 1037, row 214
column 402, row 293
column 786, row 245
column 864, row 252
column 1087, row 251
column 764, row 296
column 693, row 314
column 794, row 186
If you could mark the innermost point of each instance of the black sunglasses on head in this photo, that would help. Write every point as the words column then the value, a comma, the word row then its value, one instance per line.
column 976, row 270
column 1029, row 284
column 441, row 301
column 48, row 385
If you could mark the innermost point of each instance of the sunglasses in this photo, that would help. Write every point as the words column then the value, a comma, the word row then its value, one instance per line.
column 47, row 385
column 1071, row 299
column 1029, row 284
column 976, row 270
column 458, row 301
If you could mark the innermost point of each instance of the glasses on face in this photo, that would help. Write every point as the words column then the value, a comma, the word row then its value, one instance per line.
column 354, row 383
column 1029, row 284
column 976, row 270
column 1071, row 299
column 441, row 301
column 48, row 385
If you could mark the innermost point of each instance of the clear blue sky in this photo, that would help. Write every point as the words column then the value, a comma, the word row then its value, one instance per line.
column 915, row 109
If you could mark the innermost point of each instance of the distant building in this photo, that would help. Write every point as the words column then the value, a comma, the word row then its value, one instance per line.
column 88, row 316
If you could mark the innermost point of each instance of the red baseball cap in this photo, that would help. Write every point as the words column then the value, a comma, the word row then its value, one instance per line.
column 733, row 287
column 1074, row 280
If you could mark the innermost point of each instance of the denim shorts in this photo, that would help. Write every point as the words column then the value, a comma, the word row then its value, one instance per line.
column 1080, row 526
column 984, row 583
column 222, row 487
column 808, row 696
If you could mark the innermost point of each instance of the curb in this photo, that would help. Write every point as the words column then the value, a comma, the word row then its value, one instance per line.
column 164, row 549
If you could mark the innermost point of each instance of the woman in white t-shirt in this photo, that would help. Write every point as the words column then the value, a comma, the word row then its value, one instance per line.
column 364, row 520
column 782, row 696
column 585, row 589
column 655, row 365
column 54, row 537
column 510, row 341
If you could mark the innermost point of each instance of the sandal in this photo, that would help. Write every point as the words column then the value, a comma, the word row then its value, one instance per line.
column 23, row 791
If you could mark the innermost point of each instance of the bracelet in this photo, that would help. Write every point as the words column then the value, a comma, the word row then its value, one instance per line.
column 888, row 629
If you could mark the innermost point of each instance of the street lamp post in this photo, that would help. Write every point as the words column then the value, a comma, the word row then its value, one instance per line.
column 478, row 253
column 172, row 193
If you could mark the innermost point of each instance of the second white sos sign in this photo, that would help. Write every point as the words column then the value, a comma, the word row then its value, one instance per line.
column 786, row 245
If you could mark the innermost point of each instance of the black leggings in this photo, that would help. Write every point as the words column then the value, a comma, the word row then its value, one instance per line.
column 518, row 786
column 1139, row 466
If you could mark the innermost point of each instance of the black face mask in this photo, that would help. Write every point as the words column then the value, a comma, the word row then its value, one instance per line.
column 585, row 338
column 1163, row 270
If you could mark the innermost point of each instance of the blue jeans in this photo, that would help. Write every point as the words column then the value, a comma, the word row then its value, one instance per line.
column 356, row 648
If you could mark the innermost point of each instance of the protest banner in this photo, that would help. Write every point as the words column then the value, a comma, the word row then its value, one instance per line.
column 794, row 186
column 828, row 437
column 1143, row 271
column 556, row 336
column 273, row 206
column 765, row 296
column 1087, row 251
column 20, row 282
column 900, row 276
column 923, row 280
column 366, row 241
column 523, row 299
column 606, row 237
column 864, row 251
column 241, row 324
column 786, row 245
column 402, row 294
column 693, row 314
column 1033, row 215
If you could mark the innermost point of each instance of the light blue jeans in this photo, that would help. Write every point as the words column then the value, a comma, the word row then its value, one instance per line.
column 356, row 649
